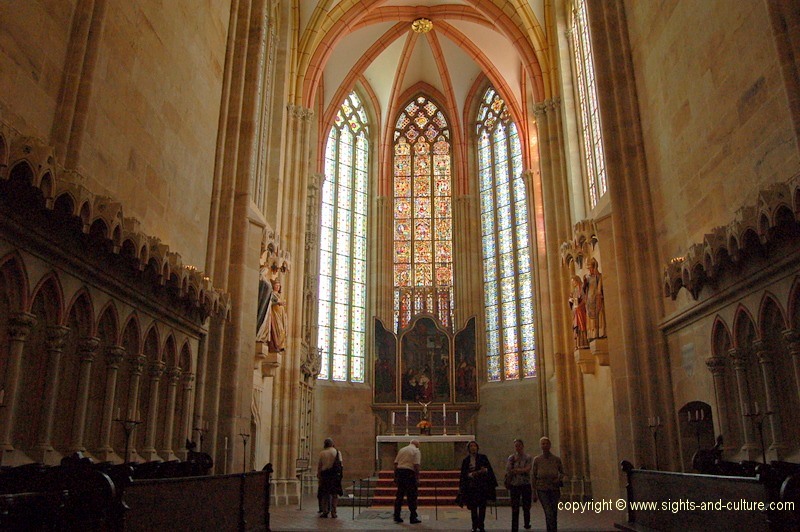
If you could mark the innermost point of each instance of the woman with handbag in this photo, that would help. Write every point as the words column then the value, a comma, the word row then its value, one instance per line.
column 476, row 485
column 329, row 473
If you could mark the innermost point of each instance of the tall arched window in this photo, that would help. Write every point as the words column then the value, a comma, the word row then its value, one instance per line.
column 343, row 246
column 423, row 214
column 591, row 136
column 507, row 273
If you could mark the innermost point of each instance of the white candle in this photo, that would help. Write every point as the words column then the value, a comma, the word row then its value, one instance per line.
column 444, row 410
column 392, row 418
column 226, row 443
column 456, row 418
column 406, row 410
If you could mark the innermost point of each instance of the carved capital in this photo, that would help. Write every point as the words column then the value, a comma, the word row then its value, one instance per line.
column 546, row 106
column 20, row 325
column 716, row 365
column 56, row 336
column 738, row 357
column 792, row 338
column 137, row 363
column 174, row 375
column 157, row 370
column 299, row 112
column 87, row 347
column 115, row 354
column 764, row 354
column 188, row 379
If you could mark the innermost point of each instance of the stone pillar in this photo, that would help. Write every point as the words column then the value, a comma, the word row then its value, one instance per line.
column 793, row 341
column 19, row 326
column 149, row 450
column 768, row 373
column 114, row 356
column 740, row 369
column 716, row 365
column 186, row 421
column 86, row 350
column 173, row 377
column 137, row 363
column 56, row 335
column 557, row 226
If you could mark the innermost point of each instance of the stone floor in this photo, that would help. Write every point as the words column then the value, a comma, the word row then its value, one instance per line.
column 448, row 518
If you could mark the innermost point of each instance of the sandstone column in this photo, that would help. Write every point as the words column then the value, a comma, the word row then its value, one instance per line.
column 19, row 326
column 86, row 350
column 149, row 450
column 173, row 377
column 115, row 354
column 740, row 369
column 768, row 373
column 716, row 365
column 793, row 341
column 56, row 335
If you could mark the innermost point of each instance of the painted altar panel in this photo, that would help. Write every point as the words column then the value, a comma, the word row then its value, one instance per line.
column 466, row 385
column 385, row 364
column 425, row 368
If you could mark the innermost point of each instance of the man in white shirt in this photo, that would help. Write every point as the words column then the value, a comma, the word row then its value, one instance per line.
column 406, row 476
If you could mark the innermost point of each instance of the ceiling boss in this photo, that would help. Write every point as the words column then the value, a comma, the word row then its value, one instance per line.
column 422, row 25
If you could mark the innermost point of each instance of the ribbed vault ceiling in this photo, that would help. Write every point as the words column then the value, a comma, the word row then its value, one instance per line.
column 371, row 42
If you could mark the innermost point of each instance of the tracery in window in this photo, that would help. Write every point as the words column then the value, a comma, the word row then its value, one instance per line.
column 505, row 230
column 591, row 136
column 343, row 246
column 423, row 219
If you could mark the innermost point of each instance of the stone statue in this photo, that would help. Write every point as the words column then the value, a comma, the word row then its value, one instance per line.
column 276, row 341
column 577, row 303
column 593, row 295
column 264, row 302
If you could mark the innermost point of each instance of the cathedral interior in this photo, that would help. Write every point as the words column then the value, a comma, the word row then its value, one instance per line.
column 294, row 220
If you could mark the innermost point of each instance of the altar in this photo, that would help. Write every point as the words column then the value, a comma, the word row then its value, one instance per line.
column 441, row 452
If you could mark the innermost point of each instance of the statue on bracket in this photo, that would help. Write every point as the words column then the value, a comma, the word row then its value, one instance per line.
column 577, row 302
column 595, row 308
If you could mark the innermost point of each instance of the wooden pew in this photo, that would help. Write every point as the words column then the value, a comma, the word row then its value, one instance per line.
column 662, row 500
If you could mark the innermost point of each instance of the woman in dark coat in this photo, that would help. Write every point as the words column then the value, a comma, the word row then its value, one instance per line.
column 477, row 485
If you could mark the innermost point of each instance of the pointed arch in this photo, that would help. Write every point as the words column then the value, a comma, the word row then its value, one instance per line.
column 721, row 341
column 185, row 360
column 770, row 315
column 744, row 328
column 14, row 281
column 152, row 344
column 52, row 299
column 81, row 306
column 132, row 337
column 169, row 354
column 108, row 324
column 794, row 305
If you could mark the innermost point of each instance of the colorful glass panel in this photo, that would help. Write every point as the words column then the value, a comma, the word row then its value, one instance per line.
column 505, row 231
column 342, row 292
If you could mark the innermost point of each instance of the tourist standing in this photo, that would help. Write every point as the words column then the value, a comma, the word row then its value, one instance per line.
column 518, row 482
column 406, row 476
column 329, row 473
column 476, row 485
column 548, row 475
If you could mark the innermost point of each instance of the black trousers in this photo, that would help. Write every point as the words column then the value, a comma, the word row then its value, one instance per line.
column 406, row 487
column 478, row 516
column 521, row 494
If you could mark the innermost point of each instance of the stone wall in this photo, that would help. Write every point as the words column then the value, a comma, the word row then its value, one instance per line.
column 343, row 412
column 715, row 117
column 146, row 107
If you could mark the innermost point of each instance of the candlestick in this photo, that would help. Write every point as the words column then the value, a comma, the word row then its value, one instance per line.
column 406, row 409
column 444, row 410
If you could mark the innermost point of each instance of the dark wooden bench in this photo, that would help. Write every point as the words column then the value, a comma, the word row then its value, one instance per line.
column 73, row 496
column 662, row 500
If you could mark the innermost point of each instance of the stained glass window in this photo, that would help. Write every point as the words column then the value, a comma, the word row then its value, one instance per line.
column 423, row 214
column 507, row 281
column 591, row 137
column 343, row 248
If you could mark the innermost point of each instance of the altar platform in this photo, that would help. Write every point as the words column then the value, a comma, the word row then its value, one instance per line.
column 440, row 452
